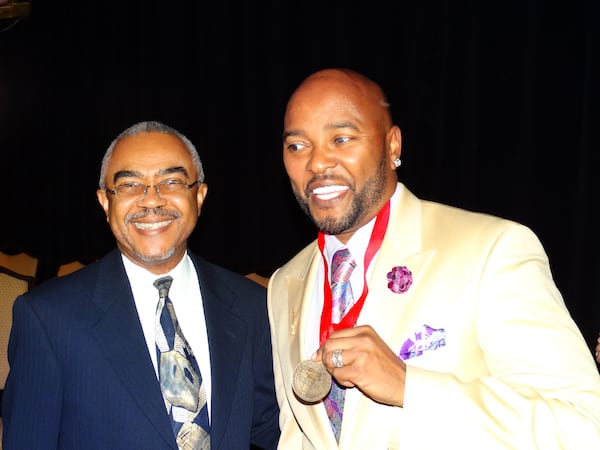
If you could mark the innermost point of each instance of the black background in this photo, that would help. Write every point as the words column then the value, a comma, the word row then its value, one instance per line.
column 498, row 103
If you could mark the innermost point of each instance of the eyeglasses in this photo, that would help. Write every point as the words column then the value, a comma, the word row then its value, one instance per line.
column 165, row 188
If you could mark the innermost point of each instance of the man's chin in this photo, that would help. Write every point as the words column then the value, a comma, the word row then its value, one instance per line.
column 155, row 257
column 330, row 225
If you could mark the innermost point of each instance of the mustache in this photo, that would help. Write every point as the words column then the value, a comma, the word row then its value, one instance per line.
column 158, row 212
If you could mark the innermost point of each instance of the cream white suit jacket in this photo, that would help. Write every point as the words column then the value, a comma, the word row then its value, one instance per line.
column 510, row 369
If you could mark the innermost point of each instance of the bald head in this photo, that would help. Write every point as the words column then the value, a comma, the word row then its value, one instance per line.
column 355, row 87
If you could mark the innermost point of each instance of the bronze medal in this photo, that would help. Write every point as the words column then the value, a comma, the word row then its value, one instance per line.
column 311, row 381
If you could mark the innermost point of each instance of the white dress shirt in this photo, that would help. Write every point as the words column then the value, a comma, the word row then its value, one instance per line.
column 187, row 300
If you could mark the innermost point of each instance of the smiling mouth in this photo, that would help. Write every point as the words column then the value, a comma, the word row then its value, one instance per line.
column 329, row 192
column 152, row 225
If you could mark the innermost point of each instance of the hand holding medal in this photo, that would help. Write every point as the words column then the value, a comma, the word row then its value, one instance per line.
column 311, row 381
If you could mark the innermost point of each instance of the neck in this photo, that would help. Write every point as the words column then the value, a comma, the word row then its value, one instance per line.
column 345, row 236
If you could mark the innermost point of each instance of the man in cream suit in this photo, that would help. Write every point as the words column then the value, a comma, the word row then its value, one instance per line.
column 462, row 341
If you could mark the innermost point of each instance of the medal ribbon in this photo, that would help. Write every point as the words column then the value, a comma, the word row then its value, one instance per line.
column 349, row 320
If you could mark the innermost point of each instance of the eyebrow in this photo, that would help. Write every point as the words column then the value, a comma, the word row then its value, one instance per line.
column 333, row 126
column 342, row 124
column 135, row 174
column 292, row 133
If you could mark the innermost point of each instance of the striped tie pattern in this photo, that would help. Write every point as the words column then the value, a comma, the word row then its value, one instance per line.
column 342, row 265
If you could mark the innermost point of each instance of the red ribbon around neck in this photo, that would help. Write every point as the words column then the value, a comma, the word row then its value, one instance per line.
column 349, row 320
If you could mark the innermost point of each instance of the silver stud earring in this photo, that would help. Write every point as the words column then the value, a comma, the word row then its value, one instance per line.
column 397, row 162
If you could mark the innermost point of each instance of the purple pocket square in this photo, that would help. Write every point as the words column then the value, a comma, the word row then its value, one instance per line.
column 425, row 338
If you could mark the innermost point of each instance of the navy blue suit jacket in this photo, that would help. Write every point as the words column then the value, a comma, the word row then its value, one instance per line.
column 81, row 376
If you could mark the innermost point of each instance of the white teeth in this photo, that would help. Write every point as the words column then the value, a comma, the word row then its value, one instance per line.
column 329, row 192
column 151, row 226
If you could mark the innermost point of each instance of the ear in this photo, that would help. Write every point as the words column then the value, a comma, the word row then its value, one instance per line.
column 104, row 201
column 394, row 145
column 201, row 195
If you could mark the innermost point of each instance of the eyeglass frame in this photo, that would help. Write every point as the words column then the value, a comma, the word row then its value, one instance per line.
column 156, row 187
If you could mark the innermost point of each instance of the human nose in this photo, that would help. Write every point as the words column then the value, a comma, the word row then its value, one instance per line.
column 151, row 195
column 321, row 159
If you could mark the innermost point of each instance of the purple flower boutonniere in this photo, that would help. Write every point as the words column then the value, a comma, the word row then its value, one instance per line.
column 399, row 279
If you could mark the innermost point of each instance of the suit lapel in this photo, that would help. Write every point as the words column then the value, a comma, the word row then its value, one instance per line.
column 301, row 291
column 387, row 311
column 120, row 337
column 297, row 319
column 401, row 246
column 227, row 336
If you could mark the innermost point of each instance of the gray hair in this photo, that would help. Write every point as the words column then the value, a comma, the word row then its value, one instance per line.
column 147, row 127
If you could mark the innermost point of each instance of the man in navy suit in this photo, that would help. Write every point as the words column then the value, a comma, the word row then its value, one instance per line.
column 82, row 352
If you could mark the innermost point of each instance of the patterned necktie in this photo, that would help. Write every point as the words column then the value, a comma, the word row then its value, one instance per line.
column 179, row 375
column 342, row 265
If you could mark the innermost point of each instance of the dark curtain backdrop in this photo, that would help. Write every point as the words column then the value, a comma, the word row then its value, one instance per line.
column 498, row 103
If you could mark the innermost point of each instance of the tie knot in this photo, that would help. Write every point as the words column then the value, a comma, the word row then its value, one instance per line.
column 163, row 284
column 342, row 265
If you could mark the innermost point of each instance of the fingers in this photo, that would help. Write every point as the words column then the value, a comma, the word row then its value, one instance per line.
column 339, row 340
column 358, row 357
column 337, row 355
column 339, row 364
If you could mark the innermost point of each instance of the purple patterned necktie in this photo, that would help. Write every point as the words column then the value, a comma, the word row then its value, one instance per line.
column 342, row 265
